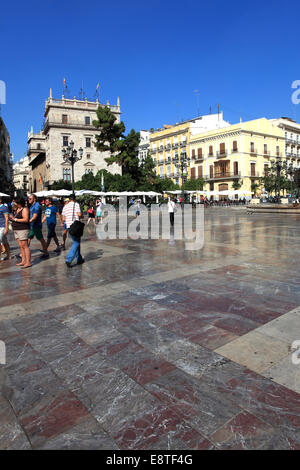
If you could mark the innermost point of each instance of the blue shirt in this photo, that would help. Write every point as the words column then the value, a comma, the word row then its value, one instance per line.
column 50, row 213
column 3, row 210
column 36, row 208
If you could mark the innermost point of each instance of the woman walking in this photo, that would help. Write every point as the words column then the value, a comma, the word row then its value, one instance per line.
column 91, row 213
column 99, row 211
column 21, row 228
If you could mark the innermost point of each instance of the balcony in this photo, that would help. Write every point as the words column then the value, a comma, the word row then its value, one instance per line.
column 199, row 158
column 266, row 153
column 254, row 174
column 161, row 148
column 152, row 151
column 222, row 154
column 183, row 144
column 175, row 146
column 253, row 152
column 168, row 147
column 234, row 150
column 223, row 175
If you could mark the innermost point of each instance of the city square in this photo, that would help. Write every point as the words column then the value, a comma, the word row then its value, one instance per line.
column 149, row 230
column 151, row 346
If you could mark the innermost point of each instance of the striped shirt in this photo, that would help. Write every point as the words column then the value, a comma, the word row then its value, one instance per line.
column 68, row 213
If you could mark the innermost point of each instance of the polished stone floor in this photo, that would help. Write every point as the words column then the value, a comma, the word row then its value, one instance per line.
column 150, row 346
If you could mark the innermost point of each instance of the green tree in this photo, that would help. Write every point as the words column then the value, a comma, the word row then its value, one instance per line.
column 126, row 155
column 110, row 132
column 61, row 184
column 237, row 184
column 194, row 184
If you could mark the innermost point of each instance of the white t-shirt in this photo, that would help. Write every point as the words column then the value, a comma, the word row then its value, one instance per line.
column 68, row 213
column 171, row 206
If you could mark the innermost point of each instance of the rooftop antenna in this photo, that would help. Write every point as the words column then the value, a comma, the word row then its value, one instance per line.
column 97, row 94
column 197, row 94
column 66, row 91
column 81, row 94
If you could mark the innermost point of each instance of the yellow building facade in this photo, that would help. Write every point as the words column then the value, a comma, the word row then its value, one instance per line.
column 174, row 142
column 239, row 152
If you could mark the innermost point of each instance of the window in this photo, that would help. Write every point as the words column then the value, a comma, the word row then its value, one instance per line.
column 67, row 174
column 234, row 146
column 265, row 149
column 211, row 171
column 89, row 170
column 266, row 169
column 87, row 141
column 193, row 173
column 210, row 151
column 252, row 147
column 64, row 119
column 252, row 169
column 235, row 168
column 65, row 141
column 88, row 156
column 87, row 120
column 200, row 171
column 200, row 153
column 193, row 153
column 38, row 146
column 277, row 151
column 222, row 149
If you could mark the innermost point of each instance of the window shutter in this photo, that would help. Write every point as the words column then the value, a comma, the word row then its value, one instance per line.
column 234, row 145
column 192, row 173
column 222, row 148
column 200, row 152
column 200, row 171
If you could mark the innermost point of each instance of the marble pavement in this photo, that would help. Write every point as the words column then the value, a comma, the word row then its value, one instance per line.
column 150, row 346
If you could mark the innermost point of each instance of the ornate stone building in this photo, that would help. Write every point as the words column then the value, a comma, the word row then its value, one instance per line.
column 21, row 175
column 67, row 120
column 5, row 160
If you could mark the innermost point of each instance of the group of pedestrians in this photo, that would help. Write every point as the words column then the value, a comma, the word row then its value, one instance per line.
column 94, row 212
column 26, row 222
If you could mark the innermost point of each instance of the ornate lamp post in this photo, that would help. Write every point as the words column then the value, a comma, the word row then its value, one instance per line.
column 70, row 155
column 277, row 166
column 182, row 164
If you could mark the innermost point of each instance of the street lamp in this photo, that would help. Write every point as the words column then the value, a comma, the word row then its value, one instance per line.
column 182, row 164
column 70, row 155
column 277, row 166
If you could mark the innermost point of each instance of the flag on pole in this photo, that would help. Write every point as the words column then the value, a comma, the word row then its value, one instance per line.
column 40, row 179
column 64, row 81
column 97, row 86
column 102, row 182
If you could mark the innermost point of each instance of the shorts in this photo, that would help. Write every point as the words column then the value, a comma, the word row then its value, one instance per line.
column 51, row 231
column 99, row 213
column 3, row 238
column 21, row 234
column 91, row 216
column 137, row 213
column 35, row 232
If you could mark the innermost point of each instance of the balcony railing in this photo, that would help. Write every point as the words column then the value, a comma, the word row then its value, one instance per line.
column 254, row 174
column 183, row 144
column 253, row 151
column 223, row 175
column 161, row 148
column 234, row 150
column 222, row 154
column 168, row 146
column 175, row 146
column 266, row 153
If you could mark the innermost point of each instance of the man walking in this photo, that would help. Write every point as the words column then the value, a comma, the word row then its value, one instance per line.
column 71, row 212
column 50, row 215
column 4, row 229
column 171, row 209
column 36, row 224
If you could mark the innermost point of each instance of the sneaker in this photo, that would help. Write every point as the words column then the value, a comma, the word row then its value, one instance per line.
column 81, row 262
column 68, row 264
column 62, row 247
column 57, row 249
column 45, row 256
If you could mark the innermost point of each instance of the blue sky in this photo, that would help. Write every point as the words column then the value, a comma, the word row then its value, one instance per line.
column 243, row 55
